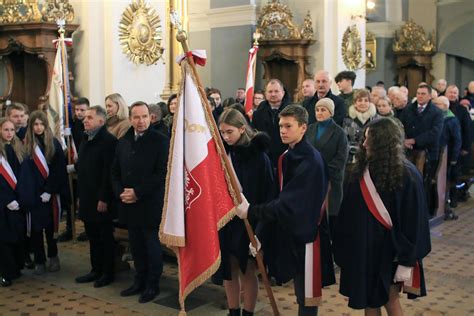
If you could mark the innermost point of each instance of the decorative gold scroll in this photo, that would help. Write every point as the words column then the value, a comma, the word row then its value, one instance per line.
column 19, row 11
column 351, row 48
column 412, row 38
column 140, row 33
column 54, row 10
column 276, row 23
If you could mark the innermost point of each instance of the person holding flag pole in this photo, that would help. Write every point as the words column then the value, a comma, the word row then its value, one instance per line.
column 250, row 83
column 60, row 111
column 198, row 172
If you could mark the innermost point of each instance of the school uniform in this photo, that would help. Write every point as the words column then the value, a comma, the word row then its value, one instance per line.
column 369, row 252
column 12, row 223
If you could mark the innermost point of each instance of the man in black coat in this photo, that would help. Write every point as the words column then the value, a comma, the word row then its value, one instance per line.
column 95, row 195
column 77, row 132
column 323, row 90
column 423, row 123
column 265, row 118
column 138, row 179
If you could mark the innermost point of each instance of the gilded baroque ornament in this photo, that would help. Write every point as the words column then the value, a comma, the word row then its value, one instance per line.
column 140, row 33
column 412, row 38
column 351, row 48
column 19, row 11
column 276, row 23
column 54, row 10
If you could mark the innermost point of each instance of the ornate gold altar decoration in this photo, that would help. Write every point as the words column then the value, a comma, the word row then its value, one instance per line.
column 276, row 23
column 370, row 51
column 54, row 10
column 19, row 11
column 140, row 33
column 412, row 38
column 351, row 48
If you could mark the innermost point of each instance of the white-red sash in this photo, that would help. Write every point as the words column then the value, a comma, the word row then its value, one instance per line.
column 7, row 172
column 42, row 165
column 313, row 283
column 379, row 211
column 40, row 162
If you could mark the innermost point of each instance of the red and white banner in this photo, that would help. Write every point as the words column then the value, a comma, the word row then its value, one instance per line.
column 7, row 173
column 249, row 85
column 56, row 99
column 379, row 211
column 197, row 198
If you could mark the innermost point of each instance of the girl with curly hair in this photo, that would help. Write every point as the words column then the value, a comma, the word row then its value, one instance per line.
column 382, row 233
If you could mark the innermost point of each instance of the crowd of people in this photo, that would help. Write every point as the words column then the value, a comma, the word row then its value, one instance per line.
column 348, row 179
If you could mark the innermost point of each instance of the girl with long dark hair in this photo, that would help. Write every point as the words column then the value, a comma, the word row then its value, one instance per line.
column 43, row 183
column 382, row 231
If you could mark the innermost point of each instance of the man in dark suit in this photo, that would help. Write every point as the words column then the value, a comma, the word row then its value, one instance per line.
column 323, row 83
column 423, row 123
column 138, row 178
column 95, row 195
column 265, row 118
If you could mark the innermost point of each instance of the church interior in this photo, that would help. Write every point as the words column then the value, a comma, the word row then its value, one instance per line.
column 129, row 47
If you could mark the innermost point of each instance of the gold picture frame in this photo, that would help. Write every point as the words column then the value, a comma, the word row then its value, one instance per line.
column 370, row 51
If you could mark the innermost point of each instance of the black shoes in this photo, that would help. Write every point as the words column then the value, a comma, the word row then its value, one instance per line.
column 4, row 282
column 92, row 276
column 103, row 281
column 149, row 295
column 135, row 289
column 450, row 215
column 82, row 237
column 65, row 236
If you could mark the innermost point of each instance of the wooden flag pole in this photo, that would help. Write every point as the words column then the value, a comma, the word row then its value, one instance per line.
column 181, row 36
column 72, row 212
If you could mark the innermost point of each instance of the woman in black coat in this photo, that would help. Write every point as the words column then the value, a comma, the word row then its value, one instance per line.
column 253, row 168
column 43, row 186
column 382, row 231
column 331, row 141
column 12, row 218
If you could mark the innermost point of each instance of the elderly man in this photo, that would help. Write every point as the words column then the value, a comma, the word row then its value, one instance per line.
column 400, row 102
column 138, row 180
column 323, row 83
column 95, row 195
column 265, row 118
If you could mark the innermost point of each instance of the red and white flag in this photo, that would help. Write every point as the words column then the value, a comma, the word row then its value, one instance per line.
column 249, row 85
column 56, row 98
column 198, row 198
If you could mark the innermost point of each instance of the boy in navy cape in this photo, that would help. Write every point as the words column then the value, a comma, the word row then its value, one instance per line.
column 290, row 233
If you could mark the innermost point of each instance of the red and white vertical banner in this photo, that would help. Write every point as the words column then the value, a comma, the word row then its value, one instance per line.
column 249, row 85
column 198, row 199
column 56, row 98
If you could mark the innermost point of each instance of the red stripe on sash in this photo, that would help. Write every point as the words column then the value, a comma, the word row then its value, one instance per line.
column 40, row 166
column 371, row 205
column 11, row 181
column 56, row 203
column 280, row 169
